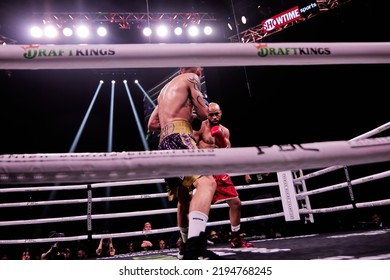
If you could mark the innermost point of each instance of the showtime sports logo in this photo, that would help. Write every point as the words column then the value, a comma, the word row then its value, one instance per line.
column 281, row 19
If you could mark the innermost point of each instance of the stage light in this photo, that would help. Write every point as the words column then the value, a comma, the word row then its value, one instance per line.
column 162, row 31
column 193, row 31
column 50, row 31
column 147, row 31
column 178, row 24
column 243, row 19
column 82, row 31
column 135, row 81
column 101, row 31
column 230, row 26
column 67, row 31
column 178, row 31
column 207, row 30
column 36, row 32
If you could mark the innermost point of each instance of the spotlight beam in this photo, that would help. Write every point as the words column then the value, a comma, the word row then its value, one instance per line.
column 111, row 122
column 140, row 129
column 146, row 94
column 79, row 132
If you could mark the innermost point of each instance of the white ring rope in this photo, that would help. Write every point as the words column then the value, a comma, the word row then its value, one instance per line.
column 113, row 215
column 343, row 185
column 301, row 183
column 366, row 135
column 372, row 132
column 346, row 207
column 172, row 229
column 244, row 203
column 128, row 234
column 176, row 55
column 165, row 211
column 94, row 167
column 80, row 187
column 318, row 173
column 100, row 199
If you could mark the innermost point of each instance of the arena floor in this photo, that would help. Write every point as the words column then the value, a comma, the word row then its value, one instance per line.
column 362, row 244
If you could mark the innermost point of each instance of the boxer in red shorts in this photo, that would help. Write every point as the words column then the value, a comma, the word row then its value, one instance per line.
column 214, row 135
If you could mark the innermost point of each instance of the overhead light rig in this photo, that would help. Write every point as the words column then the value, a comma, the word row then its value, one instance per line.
column 124, row 20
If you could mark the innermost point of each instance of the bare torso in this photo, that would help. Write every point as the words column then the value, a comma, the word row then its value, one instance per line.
column 175, row 101
column 205, row 139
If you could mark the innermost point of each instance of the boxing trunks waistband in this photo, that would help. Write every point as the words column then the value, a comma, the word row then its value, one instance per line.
column 175, row 127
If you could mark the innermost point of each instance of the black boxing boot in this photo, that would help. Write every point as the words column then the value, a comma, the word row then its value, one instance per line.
column 196, row 249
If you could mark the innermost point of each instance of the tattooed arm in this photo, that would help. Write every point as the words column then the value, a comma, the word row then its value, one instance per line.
column 200, row 106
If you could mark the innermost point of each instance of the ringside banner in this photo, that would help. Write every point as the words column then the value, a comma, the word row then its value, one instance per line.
column 102, row 56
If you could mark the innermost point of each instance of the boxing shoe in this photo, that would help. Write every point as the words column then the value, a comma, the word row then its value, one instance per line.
column 238, row 242
column 180, row 254
column 196, row 249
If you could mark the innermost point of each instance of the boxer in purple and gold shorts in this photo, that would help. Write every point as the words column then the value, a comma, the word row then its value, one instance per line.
column 177, row 135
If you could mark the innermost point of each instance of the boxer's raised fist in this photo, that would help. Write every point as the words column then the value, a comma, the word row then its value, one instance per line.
column 217, row 133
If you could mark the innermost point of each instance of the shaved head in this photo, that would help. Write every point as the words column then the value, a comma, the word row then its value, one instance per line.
column 214, row 114
column 214, row 107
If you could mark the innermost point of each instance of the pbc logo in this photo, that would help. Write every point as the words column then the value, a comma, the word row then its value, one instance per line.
column 281, row 19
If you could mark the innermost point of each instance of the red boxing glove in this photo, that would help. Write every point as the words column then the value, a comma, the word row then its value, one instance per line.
column 217, row 133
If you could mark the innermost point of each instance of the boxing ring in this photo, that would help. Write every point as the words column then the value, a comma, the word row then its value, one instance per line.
column 295, row 196
column 84, row 176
